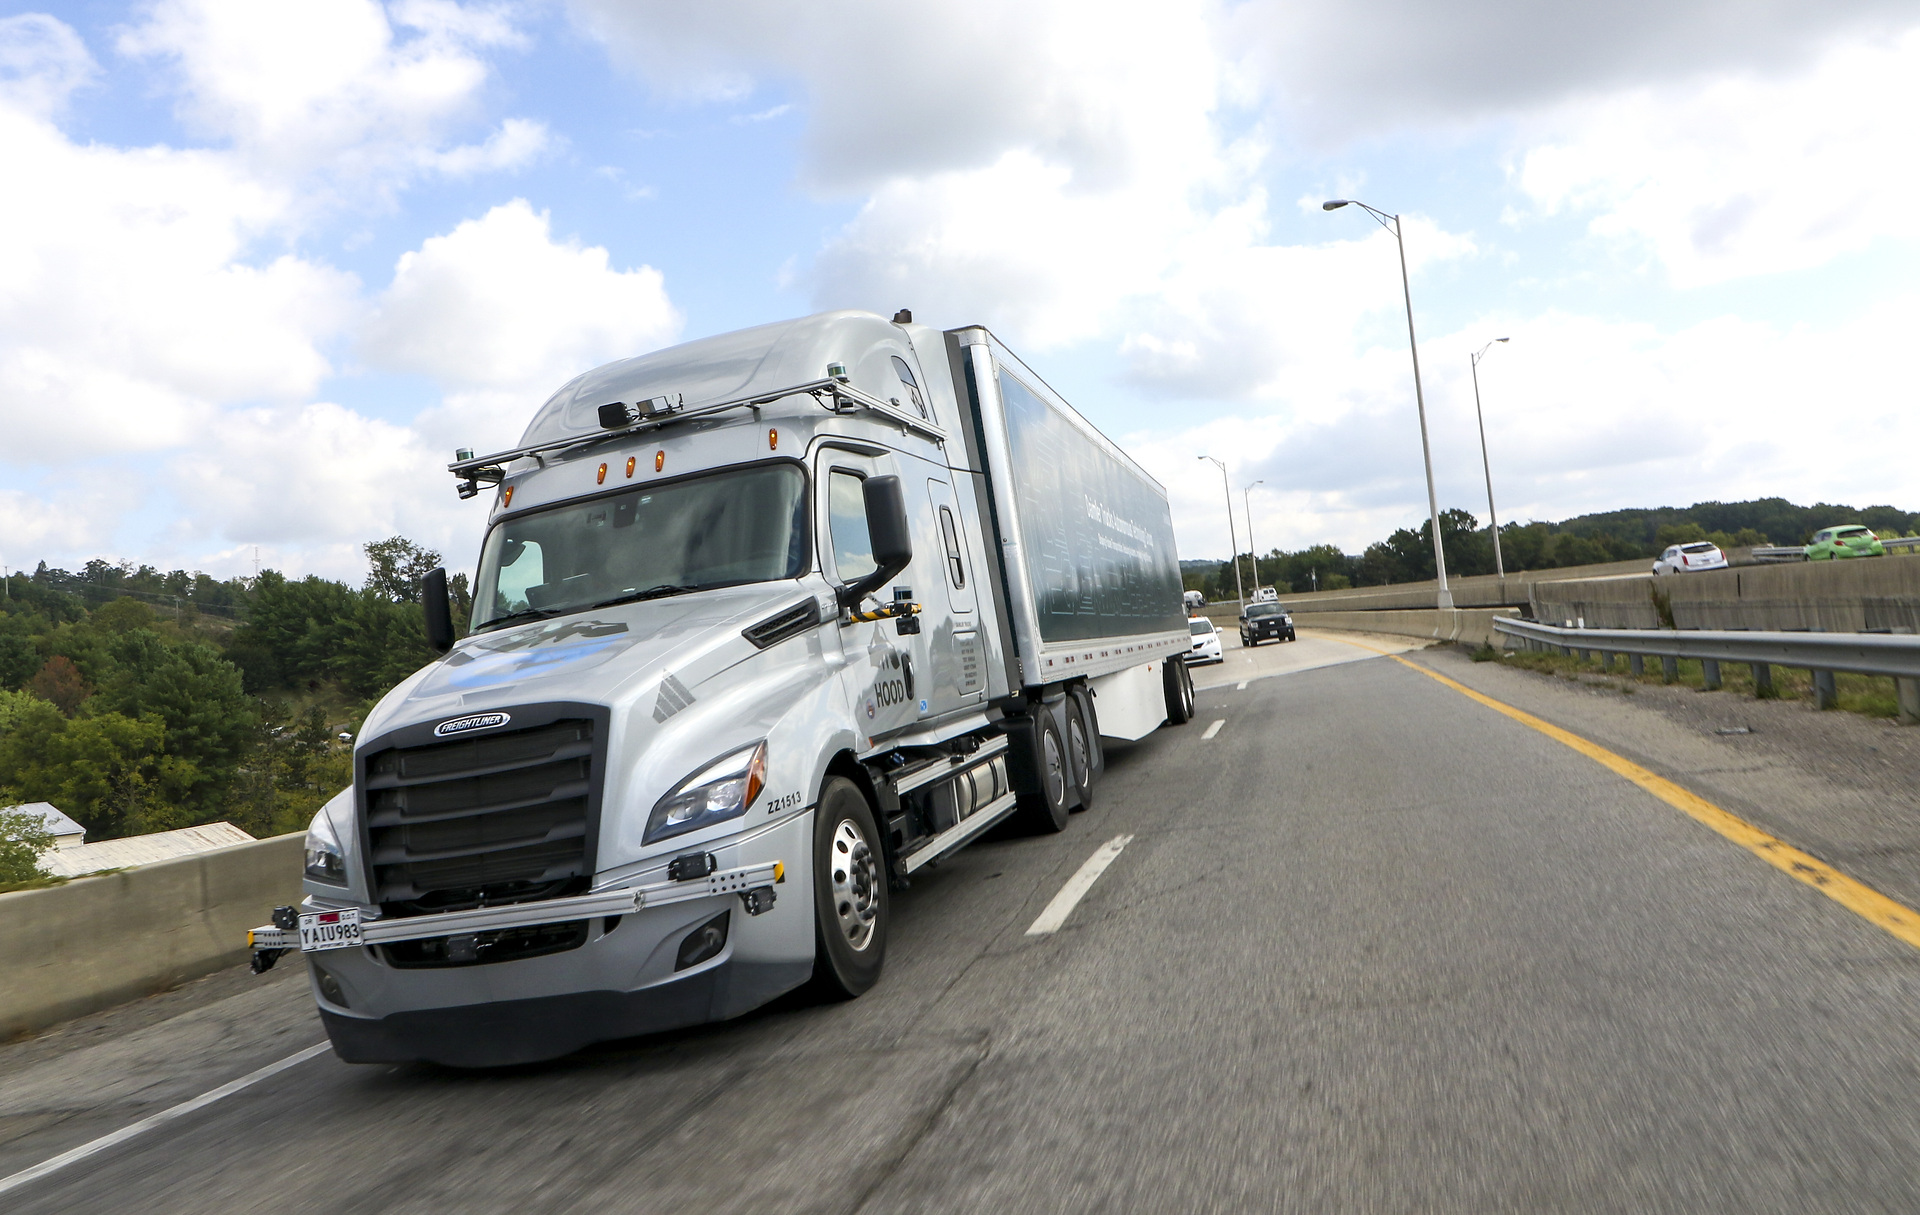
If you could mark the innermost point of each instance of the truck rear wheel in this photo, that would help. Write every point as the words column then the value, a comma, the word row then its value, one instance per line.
column 1080, row 744
column 1179, row 687
column 849, row 893
column 1041, row 776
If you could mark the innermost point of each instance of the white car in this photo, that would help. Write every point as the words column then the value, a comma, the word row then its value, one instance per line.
column 1690, row 559
column 1206, row 642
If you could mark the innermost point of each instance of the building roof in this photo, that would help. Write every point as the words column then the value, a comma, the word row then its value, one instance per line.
column 141, row 849
column 58, row 824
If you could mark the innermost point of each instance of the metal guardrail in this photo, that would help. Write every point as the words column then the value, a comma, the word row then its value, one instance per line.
column 1892, row 654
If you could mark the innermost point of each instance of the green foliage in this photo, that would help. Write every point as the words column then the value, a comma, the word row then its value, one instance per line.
column 18, row 659
column 295, row 766
column 130, row 710
column 196, row 695
column 23, row 837
column 110, row 772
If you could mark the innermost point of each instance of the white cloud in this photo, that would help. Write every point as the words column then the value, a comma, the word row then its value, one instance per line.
column 1583, row 414
column 42, row 61
column 150, row 312
column 309, row 483
column 349, row 89
column 903, row 89
column 1743, row 175
column 1236, row 317
column 1339, row 72
column 133, row 304
column 501, row 314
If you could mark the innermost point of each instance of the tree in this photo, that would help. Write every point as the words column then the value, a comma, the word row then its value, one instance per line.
column 396, row 566
column 18, row 659
column 196, row 694
column 294, row 767
column 59, row 684
column 294, row 632
column 23, row 837
column 385, row 642
column 110, row 772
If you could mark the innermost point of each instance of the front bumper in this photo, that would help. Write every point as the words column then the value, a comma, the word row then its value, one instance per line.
column 503, row 1033
column 380, row 1005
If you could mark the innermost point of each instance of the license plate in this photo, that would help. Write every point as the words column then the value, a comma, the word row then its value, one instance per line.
column 330, row 930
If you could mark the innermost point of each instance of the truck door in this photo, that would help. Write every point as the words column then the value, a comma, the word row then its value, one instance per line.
column 888, row 671
column 959, row 673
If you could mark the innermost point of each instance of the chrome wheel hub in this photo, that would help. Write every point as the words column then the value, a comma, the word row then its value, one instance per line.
column 856, row 884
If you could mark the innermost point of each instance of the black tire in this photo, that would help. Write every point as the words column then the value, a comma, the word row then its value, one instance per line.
column 850, row 897
column 1179, row 689
column 1080, row 743
column 1041, row 777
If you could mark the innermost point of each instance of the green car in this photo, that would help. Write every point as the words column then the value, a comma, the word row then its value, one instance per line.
column 1847, row 540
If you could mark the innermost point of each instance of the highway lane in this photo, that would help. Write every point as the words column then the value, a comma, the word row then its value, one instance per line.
column 1370, row 947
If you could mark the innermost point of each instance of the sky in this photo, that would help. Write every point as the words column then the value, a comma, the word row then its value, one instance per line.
column 265, row 264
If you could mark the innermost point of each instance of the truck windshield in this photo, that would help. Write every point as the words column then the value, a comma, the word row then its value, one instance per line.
column 718, row 529
column 1264, row 609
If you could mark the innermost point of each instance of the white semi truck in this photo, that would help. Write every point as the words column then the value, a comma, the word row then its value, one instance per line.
column 763, row 625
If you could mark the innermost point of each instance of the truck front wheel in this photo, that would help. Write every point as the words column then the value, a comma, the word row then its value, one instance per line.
column 849, row 893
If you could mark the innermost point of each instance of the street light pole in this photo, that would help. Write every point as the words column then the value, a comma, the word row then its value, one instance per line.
column 1493, row 520
column 1232, row 535
column 1252, row 548
column 1392, row 224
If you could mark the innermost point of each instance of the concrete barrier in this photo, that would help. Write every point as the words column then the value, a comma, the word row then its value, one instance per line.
column 1852, row 596
column 1479, row 591
column 97, row 941
column 1473, row 626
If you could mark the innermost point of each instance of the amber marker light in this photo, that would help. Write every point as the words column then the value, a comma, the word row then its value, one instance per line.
column 601, row 479
column 659, row 460
column 629, row 466
column 506, row 499
column 773, row 438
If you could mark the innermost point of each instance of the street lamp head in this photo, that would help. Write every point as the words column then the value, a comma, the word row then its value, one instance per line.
column 1502, row 339
column 1334, row 204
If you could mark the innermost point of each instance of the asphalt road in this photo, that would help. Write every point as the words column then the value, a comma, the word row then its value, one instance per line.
column 1371, row 946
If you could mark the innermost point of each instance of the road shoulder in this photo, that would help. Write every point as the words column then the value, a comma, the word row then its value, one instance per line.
column 1837, row 785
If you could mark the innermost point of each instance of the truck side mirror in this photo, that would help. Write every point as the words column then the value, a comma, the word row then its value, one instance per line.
column 889, row 533
column 439, row 607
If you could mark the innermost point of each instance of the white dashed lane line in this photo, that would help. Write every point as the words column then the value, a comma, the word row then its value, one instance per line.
column 115, row 1138
column 1241, row 686
column 1212, row 730
column 1062, row 906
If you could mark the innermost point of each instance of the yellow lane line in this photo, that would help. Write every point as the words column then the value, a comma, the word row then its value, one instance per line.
column 1863, row 900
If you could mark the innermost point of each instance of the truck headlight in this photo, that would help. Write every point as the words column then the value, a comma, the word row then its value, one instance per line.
column 720, row 791
column 326, row 862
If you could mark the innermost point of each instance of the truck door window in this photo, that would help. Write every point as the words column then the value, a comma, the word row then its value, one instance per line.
column 955, row 569
column 847, row 526
column 909, row 386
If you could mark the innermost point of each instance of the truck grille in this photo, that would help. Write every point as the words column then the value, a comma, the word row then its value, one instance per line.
column 498, row 818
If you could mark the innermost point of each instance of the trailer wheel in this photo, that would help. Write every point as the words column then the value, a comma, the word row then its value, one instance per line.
column 1080, row 744
column 1179, row 686
column 1041, row 776
column 849, row 893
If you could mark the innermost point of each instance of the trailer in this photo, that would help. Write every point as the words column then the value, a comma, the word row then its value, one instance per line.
column 764, row 624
